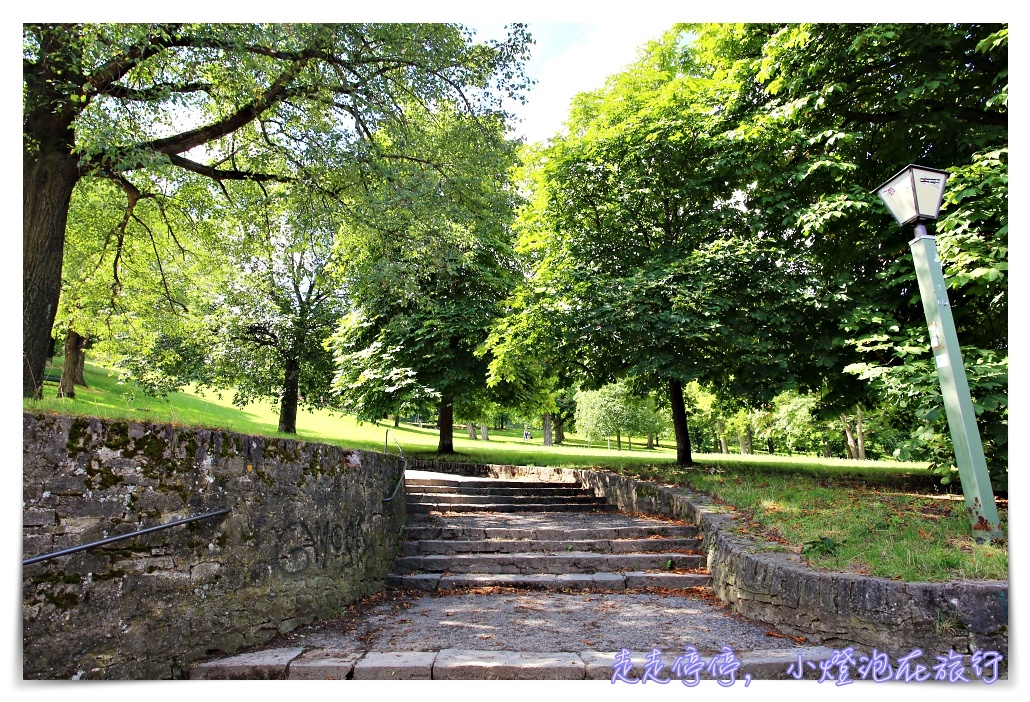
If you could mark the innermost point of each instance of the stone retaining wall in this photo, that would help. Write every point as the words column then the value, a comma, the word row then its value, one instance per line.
column 308, row 534
column 765, row 584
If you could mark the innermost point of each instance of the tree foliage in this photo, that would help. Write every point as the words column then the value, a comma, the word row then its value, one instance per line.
column 277, row 299
column 427, row 273
column 830, row 111
column 614, row 411
column 131, row 103
column 646, row 265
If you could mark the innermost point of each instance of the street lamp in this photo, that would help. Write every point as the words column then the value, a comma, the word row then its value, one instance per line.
column 914, row 196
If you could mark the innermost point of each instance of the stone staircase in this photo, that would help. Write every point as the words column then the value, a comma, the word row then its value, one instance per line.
column 487, row 533
column 549, row 542
column 427, row 495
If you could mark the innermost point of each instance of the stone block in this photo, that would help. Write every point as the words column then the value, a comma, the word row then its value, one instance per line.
column 456, row 664
column 587, row 581
column 598, row 665
column 69, row 485
column 395, row 665
column 419, row 581
column 638, row 580
column 205, row 571
column 259, row 665
column 323, row 664
column 38, row 517
column 773, row 664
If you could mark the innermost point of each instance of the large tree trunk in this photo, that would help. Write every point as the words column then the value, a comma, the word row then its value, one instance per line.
column 80, row 366
column 679, row 423
column 618, row 440
column 750, row 441
column 471, row 429
column 769, row 445
column 74, row 358
column 548, row 436
column 49, row 174
column 559, row 430
column 483, row 430
column 860, row 434
column 721, row 430
column 850, row 446
column 740, row 442
column 396, row 421
column 446, row 424
column 650, row 442
column 288, row 403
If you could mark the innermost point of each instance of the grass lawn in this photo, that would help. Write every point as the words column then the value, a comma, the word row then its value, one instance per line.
column 877, row 517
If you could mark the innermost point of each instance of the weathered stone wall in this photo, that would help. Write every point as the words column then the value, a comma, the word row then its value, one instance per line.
column 308, row 534
column 765, row 584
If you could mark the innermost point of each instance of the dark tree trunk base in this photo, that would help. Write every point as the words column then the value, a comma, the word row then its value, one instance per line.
column 446, row 423
column 291, row 395
column 74, row 358
column 679, row 423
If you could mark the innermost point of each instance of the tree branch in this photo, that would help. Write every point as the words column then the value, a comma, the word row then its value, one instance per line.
column 154, row 92
column 221, row 174
column 249, row 112
column 104, row 78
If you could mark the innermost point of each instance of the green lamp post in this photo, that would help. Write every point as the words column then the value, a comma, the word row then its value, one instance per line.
column 914, row 196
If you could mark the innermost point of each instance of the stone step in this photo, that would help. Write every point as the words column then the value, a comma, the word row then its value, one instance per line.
column 632, row 580
column 477, row 490
column 456, row 532
column 462, row 664
column 411, row 483
column 449, row 547
column 570, row 562
column 461, row 499
column 427, row 507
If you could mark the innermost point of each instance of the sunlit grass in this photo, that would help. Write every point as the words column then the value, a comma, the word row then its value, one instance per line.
column 875, row 523
column 107, row 398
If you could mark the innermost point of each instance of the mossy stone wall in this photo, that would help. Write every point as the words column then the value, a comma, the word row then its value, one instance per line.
column 308, row 534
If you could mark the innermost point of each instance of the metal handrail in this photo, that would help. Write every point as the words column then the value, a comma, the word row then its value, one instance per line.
column 404, row 462
column 121, row 537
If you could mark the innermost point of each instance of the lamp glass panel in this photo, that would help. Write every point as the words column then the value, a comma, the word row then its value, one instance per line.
column 897, row 194
column 929, row 187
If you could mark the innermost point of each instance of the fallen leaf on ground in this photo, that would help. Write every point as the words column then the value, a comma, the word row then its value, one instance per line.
column 795, row 639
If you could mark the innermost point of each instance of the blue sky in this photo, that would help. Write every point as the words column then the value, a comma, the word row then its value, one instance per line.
column 569, row 58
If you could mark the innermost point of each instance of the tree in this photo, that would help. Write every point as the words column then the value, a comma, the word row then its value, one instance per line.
column 645, row 264
column 86, row 302
column 614, row 410
column 829, row 111
column 427, row 273
column 599, row 413
column 132, row 283
column 98, row 100
column 792, row 422
column 279, row 299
